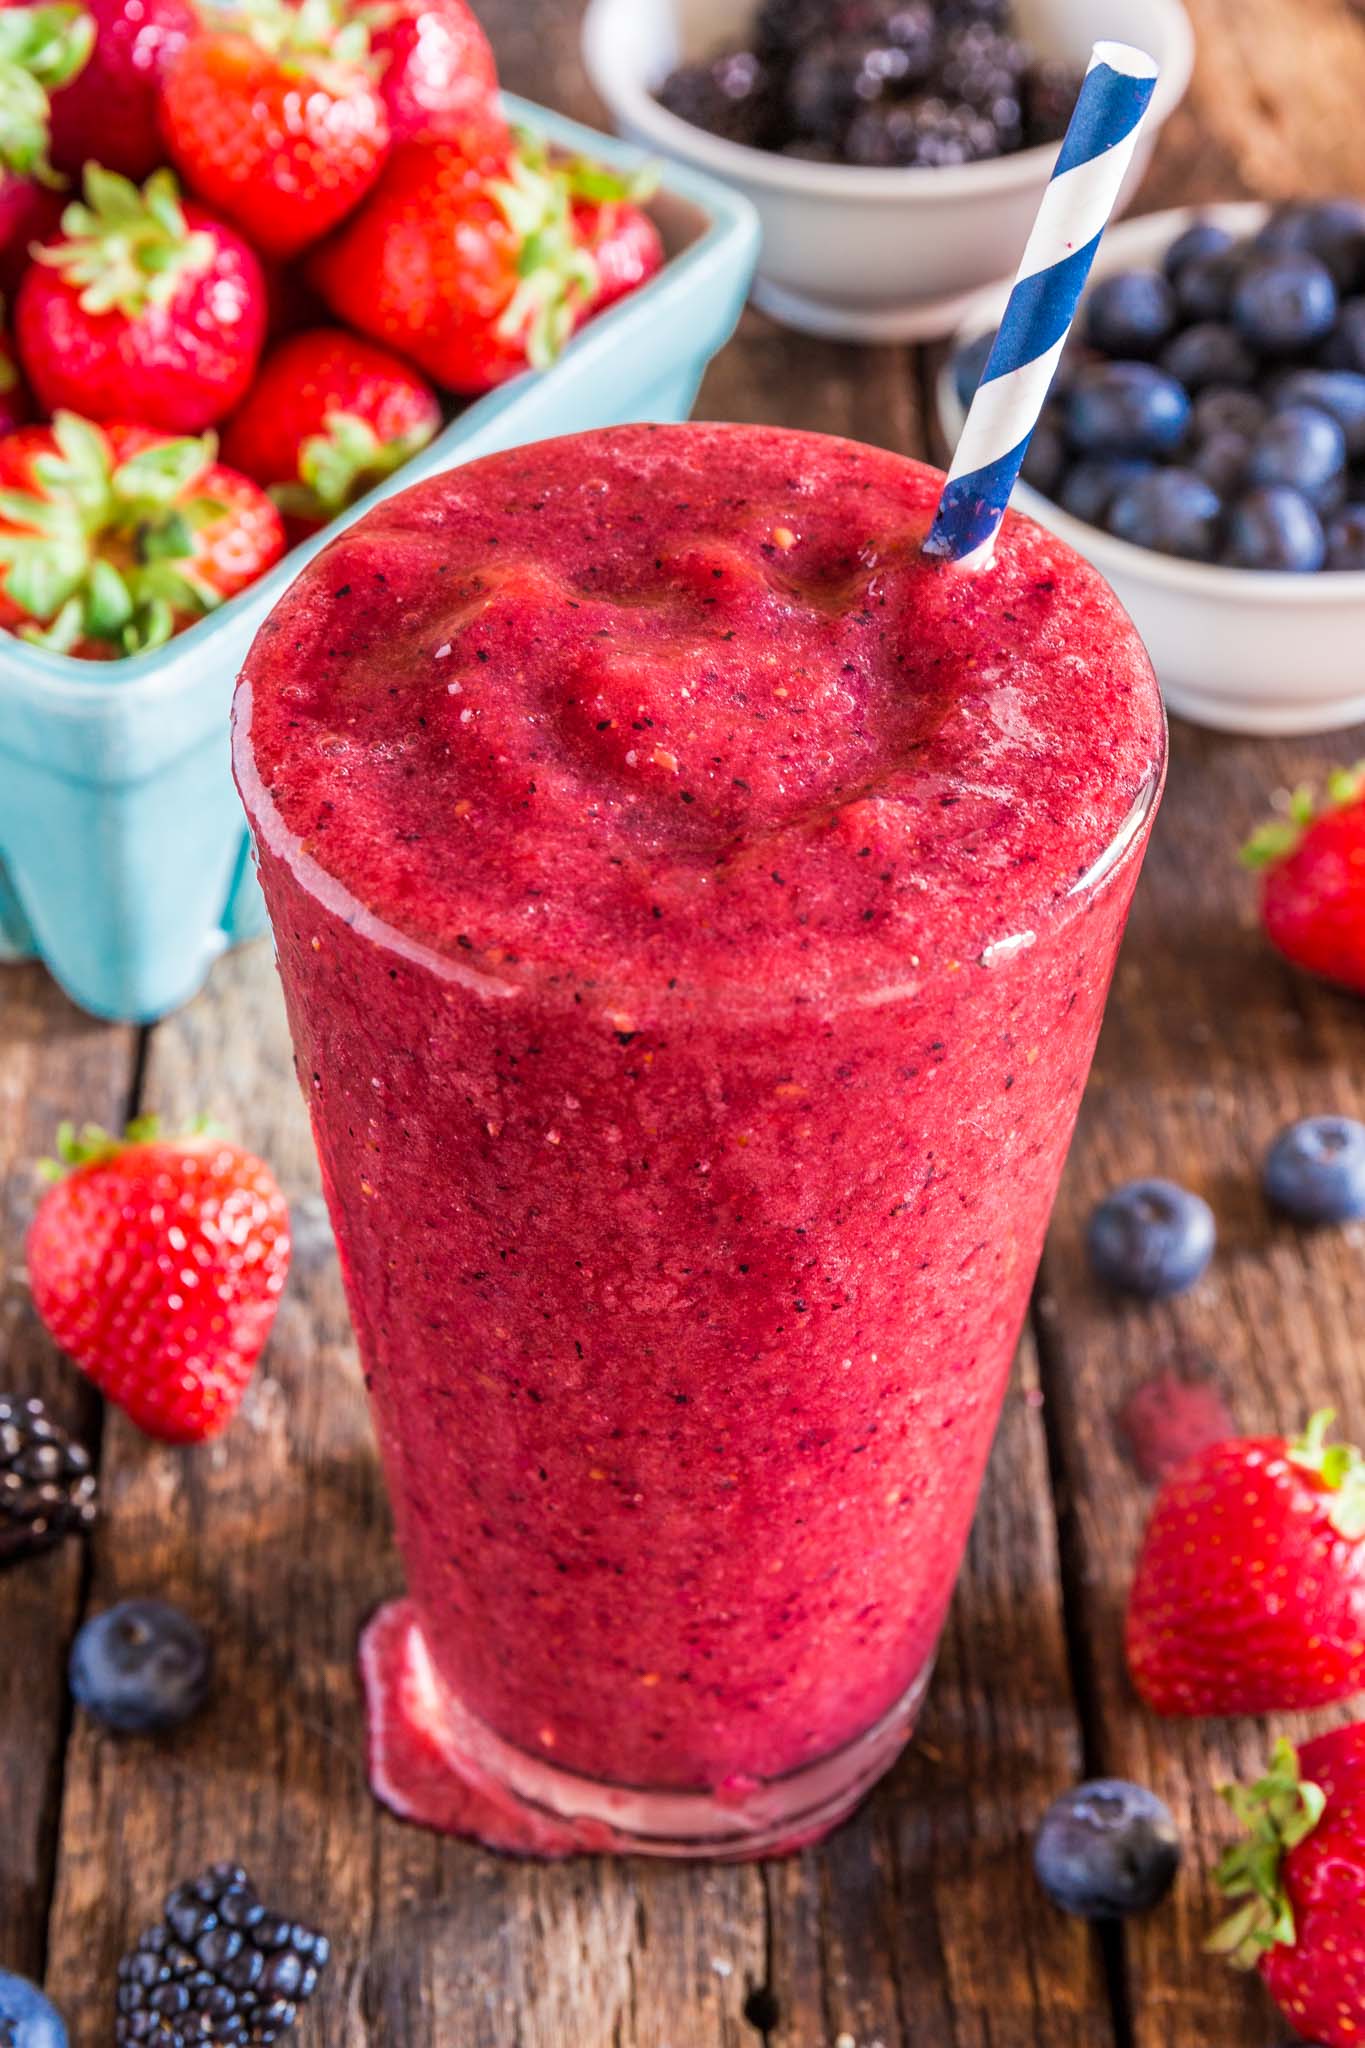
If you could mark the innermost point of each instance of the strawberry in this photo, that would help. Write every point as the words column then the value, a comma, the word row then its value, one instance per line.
column 157, row 1264
column 14, row 400
column 144, row 308
column 29, row 212
column 272, row 114
column 624, row 244
column 1312, row 867
column 327, row 417
column 472, row 271
column 112, row 539
column 107, row 113
column 438, row 78
column 1249, row 1596
column 1300, row 1880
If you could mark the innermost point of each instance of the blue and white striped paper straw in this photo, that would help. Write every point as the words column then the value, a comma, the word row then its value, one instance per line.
column 1091, row 166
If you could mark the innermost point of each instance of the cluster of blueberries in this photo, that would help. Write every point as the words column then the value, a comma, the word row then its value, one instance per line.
column 1153, row 1238
column 879, row 82
column 1215, row 408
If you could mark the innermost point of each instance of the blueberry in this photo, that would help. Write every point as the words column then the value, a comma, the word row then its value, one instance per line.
column 1222, row 459
column 1284, row 302
column 1315, row 1170
column 1346, row 538
column 1344, row 348
column 1089, row 487
column 1107, row 1849
column 140, row 1667
column 1210, row 352
column 969, row 365
column 1045, row 462
column 1304, row 448
column 1338, row 392
column 1331, row 229
column 1125, row 409
column 1204, row 285
column 1130, row 314
column 27, row 2019
column 1222, row 409
column 1200, row 240
column 1275, row 529
column 1151, row 1237
column 1174, row 511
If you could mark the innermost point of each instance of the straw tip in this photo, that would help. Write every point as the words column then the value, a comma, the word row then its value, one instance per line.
column 1124, row 58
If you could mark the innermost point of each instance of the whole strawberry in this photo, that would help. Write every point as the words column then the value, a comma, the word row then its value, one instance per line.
column 471, row 269
column 107, row 112
column 624, row 244
column 1249, row 1596
column 1312, row 867
column 1299, row 1879
column 273, row 115
column 157, row 1264
column 145, row 308
column 327, row 417
column 14, row 400
column 114, row 538
column 438, row 77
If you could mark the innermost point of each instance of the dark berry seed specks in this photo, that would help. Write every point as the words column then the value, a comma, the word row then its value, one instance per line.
column 219, row 1968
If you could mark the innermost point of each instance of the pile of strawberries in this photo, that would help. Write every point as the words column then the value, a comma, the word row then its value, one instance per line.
column 304, row 223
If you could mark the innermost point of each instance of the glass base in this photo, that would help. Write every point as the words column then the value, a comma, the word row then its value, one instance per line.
column 433, row 1762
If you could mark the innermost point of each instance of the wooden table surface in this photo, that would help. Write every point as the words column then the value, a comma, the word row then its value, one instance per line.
column 919, row 1922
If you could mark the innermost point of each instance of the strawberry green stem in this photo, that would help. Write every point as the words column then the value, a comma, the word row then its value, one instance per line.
column 338, row 464
column 92, row 1144
column 1278, row 837
column 1339, row 1469
column 1278, row 1812
column 124, row 249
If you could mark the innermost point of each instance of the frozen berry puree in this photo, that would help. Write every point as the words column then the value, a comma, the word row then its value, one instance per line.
column 695, row 911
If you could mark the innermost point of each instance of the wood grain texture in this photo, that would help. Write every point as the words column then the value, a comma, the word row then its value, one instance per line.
column 1210, row 1048
column 919, row 1923
column 54, row 1063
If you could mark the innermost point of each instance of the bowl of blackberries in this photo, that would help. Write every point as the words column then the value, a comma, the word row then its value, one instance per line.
column 1203, row 444
column 896, row 150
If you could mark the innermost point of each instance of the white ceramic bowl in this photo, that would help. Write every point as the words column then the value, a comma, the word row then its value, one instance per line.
column 869, row 255
column 1240, row 650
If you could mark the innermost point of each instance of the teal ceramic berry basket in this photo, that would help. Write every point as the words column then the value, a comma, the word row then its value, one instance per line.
column 123, row 852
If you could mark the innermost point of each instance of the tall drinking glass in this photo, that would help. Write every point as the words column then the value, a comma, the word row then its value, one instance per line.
column 695, row 912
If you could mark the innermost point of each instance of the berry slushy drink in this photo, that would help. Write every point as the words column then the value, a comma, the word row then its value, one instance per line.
column 695, row 911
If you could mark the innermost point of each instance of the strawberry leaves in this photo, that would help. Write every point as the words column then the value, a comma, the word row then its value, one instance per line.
column 555, row 273
column 52, row 560
column 125, row 250
column 1278, row 837
column 336, row 466
column 1278, row 1812
column 41, row 48
column 1340, row 1470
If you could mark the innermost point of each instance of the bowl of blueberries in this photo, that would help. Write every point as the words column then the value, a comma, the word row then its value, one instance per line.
column 896, row 150
column 1203, row 444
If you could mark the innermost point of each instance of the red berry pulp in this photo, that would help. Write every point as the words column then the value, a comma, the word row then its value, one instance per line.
column 687, row 902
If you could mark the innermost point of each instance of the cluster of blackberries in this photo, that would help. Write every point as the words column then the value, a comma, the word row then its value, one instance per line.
column 219, row 1969
column 879, row 82
column 1215, row 408
column 47, row 1489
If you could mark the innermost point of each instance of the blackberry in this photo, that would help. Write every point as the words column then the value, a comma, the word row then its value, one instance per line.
column 47, row 1490
column 944, row 132
column 731, row 97
column 983, row 67
column 1050, row 93
column 218, row 1971
column 785, row 27
column 831, row 80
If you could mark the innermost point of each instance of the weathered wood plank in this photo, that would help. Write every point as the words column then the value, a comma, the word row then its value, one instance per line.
column 54, row 1063
column 1211, row 1046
